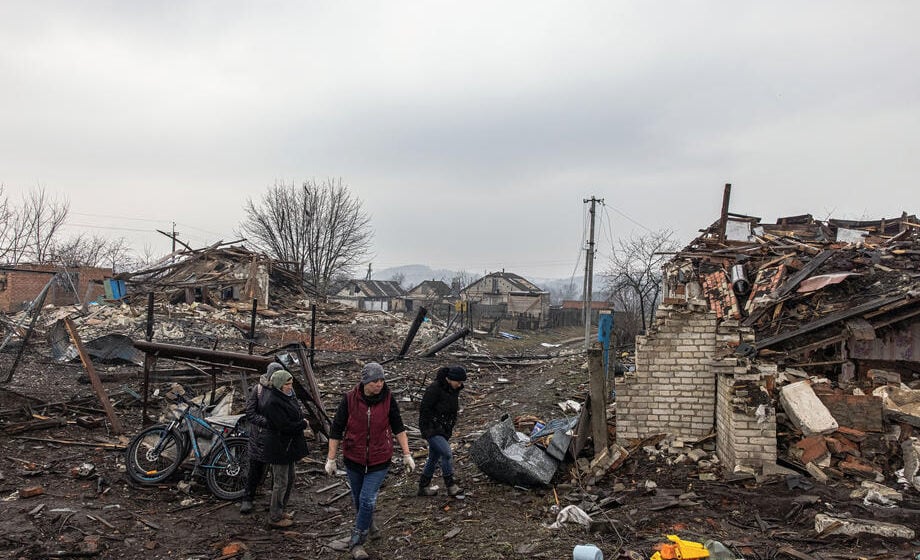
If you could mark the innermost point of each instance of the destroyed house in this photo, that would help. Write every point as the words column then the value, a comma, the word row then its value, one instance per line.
column 505, row 295
column 217, row 274
column 21, row 284
column 750, row 308
column 371, row 295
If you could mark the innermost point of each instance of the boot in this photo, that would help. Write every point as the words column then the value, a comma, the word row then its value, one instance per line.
column 245, row 507
column 424, row 487
column 453, row 489
column 356, row 544
column 374, row 532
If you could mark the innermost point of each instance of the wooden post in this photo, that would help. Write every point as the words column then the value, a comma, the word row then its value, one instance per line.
column 723, row 219
column 94, row 379
column 598, row 392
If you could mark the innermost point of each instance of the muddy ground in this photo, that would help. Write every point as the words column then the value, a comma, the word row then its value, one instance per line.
column 103, row 514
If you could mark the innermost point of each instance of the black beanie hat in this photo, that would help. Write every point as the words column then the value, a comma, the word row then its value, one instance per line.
column 456, row 373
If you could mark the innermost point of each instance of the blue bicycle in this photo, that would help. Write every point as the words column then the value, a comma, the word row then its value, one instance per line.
column 156, row 452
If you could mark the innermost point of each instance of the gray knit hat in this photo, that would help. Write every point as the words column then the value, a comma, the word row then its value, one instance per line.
column 273, row 367
column 280, row 377
column 371, row 372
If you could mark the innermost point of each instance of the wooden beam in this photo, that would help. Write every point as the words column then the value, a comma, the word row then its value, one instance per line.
column 598, row 393
column 94, row 378
column 723, row 218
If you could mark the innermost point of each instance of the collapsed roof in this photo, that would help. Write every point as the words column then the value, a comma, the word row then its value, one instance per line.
column 216, row 274
column 814, row 292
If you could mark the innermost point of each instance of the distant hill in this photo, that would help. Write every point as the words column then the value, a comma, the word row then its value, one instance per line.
column 415, row 274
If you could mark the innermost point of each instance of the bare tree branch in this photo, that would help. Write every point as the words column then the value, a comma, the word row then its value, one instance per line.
column 319, row 231
column 633, row 279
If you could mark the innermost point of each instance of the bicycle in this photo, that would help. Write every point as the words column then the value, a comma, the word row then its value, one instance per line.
column 156, row 452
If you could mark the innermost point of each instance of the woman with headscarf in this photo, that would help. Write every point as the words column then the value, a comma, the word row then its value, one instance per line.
column 364, row 425
column 256, row 448
column 284, row 442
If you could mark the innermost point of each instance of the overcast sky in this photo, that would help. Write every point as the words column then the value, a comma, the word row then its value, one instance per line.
column 471, row 131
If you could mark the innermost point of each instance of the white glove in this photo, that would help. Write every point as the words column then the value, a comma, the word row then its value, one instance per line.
column 409, row 462
column 330, row 466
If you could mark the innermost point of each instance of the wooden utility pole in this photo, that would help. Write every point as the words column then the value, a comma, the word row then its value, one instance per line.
column 598, row 392
column 589, row 272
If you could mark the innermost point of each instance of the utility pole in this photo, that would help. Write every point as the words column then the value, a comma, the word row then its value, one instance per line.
column 173, row 242
column 589, row 273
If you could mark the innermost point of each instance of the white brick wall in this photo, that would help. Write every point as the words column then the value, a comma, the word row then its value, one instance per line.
column 673, row 389
column 680, row 388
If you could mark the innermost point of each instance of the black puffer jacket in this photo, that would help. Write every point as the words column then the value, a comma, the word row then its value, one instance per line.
column 438, row 412
column 282, row 436
column 257, row 421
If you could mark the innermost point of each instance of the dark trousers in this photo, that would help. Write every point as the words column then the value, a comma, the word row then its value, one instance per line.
column 254, row 479
column 282, row 483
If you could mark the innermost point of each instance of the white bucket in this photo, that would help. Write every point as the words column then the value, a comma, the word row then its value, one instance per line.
column 587, row 552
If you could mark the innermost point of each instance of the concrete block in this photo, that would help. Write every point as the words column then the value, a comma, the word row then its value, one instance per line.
column 806, row 410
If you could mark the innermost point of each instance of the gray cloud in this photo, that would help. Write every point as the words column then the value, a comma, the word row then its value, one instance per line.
column 471, row 131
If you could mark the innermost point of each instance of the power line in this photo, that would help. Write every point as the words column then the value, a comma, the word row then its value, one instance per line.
column 128, row 218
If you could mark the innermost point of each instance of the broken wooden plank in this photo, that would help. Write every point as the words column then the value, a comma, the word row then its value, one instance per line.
column 828, row 320
column 94, row 378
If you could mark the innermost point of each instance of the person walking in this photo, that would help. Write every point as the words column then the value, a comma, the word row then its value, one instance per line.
column 284, row 442
column 364, row 425
column 256, row 448
column 437, row 415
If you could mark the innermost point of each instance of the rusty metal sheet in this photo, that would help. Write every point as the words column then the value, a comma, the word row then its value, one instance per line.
column 815, row 283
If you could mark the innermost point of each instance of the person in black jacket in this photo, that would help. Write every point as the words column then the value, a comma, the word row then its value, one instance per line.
column 256, row 448
column 436, row 418
column 283, row 442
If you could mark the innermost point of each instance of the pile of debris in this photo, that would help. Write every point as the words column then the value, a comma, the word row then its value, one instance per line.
column 830, row 309
column 832, row 433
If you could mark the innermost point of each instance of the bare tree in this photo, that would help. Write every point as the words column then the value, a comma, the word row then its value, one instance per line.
column 399, row 278
column 82, row 250
column 633, row 278
column 318, row 230
column 29, row 230
column 117, row 254
column 44, row 215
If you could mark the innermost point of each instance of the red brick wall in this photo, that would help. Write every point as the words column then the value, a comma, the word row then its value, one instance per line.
column 23, row 284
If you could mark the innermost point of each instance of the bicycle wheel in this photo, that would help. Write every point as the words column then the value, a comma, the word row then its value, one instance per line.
column 228, row 468
column 154, row 454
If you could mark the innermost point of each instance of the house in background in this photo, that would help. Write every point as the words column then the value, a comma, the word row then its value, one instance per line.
column 371, row 295
column 428, row 294
column 20, row 284
column 507, row 297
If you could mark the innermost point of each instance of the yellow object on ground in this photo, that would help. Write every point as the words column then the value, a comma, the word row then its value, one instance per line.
column 681, row 549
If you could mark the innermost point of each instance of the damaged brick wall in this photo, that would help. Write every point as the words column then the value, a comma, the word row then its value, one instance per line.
column 673, row 389
column 745, row 416
column 19, row 286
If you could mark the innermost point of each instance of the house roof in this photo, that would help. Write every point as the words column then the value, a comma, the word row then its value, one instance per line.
column 518, row 283
column 436, row 287
column 579, row 304
column 376, row 288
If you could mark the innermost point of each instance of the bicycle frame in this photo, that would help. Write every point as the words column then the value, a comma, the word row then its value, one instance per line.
column 188, row 420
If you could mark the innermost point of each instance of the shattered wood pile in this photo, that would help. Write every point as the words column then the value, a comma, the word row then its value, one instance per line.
column 216, row 274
